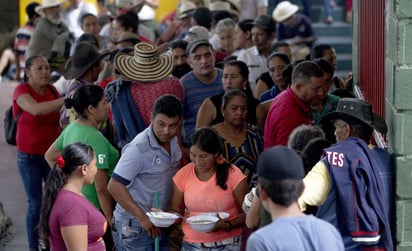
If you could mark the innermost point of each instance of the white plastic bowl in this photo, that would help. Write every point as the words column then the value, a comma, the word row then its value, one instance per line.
column 162, row 219
column 223, row 215
column 220, row 215
column 203, row 222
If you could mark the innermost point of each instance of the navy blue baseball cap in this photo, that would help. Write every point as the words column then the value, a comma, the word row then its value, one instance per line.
column 280, row 163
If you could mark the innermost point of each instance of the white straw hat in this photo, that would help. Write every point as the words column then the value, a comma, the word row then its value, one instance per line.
column 186, row 9
column 47, row 4
column 284, row 10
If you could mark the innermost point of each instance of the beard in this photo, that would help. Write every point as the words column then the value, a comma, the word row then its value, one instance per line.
column 54, row 19
column 181, row 70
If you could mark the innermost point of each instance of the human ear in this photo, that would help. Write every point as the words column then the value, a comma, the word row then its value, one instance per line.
column 347, row 130
column 262, row 193
column 84, row 169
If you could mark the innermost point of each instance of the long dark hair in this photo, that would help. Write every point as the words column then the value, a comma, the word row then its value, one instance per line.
column 244, row 71
column 83, row 97
column 74, row 156
column 206, row 139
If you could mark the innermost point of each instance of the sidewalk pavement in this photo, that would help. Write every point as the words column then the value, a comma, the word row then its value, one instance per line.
column 11, row 188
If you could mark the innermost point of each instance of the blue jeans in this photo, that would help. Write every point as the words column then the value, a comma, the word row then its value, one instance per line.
column 231, row 244
column 33, row 171
column 129, row 235
column 328, row 8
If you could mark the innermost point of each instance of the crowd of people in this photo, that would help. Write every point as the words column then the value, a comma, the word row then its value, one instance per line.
column 221, row 107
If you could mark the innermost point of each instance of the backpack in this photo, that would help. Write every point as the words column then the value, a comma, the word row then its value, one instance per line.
column 10, row 122
column 10, row 126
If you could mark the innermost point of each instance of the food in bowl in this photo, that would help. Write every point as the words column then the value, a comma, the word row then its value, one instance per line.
column 203, row 222
column 220, row 215
column 162, row 219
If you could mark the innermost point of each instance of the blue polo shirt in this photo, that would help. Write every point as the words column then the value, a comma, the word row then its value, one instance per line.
column 145, row 168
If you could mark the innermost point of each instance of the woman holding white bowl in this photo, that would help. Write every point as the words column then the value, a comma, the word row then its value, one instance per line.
column 210, row 184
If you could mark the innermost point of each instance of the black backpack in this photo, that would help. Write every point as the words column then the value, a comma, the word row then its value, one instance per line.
column 10, row 126
column 10, row 122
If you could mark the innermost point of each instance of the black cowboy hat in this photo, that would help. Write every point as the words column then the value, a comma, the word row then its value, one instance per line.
column 350, row 109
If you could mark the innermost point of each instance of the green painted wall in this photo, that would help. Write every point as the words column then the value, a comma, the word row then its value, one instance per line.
column 398, row 70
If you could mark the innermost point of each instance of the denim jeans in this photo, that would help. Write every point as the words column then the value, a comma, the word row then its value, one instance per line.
column 33, row 171
column 232, row 244
column 129, row 235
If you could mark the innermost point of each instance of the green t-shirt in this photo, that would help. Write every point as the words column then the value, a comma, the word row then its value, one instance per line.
column 106, row 154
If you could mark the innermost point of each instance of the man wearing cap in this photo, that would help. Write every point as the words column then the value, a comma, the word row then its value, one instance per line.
column 142, row 179
column 23, row 35
column 292, row 107
column 263, row 34
column 51, row 35
column 294, row 28
column 205, row 80
column 345, row 183
column 280, row 171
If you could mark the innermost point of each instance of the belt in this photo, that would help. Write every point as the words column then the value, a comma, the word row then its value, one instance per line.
column 230, row 240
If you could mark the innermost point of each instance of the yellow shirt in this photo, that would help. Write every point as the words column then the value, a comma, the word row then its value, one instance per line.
column 317, row 186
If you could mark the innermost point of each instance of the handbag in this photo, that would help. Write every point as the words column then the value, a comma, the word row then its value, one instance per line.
column 10, row 126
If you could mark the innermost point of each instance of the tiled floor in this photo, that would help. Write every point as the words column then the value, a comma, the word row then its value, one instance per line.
column 11, row 188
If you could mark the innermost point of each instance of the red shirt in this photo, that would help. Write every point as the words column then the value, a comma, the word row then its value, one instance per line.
column 286, row 113
column 103, row 85
column 145, row 94
column 35, row 133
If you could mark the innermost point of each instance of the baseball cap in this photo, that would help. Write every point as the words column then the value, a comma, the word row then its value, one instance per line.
column 279, row 163
column 193, row 45
column 195, row 33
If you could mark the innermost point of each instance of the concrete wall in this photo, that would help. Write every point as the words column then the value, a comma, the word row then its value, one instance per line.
column 398, row 94
column 398, row 71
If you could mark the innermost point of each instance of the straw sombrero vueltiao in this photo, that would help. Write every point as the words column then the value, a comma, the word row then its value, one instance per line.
column 147, row 64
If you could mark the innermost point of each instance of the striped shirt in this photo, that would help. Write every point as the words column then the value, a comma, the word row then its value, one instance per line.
column 21, row 43
column 195, row 92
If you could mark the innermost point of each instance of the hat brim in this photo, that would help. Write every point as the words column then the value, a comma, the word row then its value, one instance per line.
column 186, row 14
column 153, row 71
column 281, row 18
column 378, row 123
column 72, row 72
column 39, row 9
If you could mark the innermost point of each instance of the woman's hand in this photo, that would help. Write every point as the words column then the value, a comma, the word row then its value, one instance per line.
column 222, row 225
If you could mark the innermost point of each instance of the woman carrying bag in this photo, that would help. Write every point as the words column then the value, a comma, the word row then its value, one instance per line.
column 38, row 103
